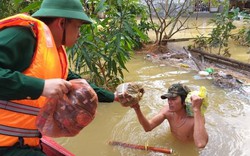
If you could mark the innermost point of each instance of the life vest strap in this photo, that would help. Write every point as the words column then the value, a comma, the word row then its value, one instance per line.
column 11, row 106
column 19, row 132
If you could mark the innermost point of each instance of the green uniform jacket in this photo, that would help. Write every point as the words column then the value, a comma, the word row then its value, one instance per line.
column 17, row 46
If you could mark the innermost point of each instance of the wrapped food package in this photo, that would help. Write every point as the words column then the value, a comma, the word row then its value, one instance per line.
column 202, row 92
column 67, row 116
column 129, row 93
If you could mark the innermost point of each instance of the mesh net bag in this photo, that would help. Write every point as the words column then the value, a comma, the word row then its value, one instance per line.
column 129, row 93
column 67, row 116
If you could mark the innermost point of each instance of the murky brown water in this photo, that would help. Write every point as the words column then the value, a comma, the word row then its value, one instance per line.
column 201, row 26
column 226, row 118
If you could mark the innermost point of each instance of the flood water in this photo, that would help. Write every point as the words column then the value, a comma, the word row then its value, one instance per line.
column 202, row 26
column 226, row 118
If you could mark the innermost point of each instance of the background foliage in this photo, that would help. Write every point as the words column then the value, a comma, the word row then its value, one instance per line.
column 105, row 46
column 121, row 26
column 100, row 55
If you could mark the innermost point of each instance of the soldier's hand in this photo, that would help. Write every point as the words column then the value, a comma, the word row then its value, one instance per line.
column 56, row 88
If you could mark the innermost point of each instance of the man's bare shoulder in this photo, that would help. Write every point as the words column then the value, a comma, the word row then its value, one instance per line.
column 165, row 111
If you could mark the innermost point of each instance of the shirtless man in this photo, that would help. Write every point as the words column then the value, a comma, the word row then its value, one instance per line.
column 183, row 127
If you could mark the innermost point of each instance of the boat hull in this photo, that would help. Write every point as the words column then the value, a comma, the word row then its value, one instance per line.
column 52, row 148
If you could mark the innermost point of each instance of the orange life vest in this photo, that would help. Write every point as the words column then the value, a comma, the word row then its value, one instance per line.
column 18, row 117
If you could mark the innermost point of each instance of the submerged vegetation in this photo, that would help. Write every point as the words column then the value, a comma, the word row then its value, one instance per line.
column 221, row 34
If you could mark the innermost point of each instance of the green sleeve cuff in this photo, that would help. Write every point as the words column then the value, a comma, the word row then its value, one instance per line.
column 33, row 87
column 103, row 95
column 72, row 75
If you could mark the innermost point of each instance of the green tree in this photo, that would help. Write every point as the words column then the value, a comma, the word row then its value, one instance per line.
column 221, row 33
column 11, row 7
column 224, row 25
column 107, row 45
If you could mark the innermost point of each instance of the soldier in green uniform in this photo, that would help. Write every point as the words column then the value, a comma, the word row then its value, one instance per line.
column 33, row 68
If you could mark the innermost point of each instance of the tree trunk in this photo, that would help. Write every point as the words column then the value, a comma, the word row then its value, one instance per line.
column 223, row 60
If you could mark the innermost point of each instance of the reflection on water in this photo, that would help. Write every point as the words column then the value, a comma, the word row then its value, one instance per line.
column 226, row 118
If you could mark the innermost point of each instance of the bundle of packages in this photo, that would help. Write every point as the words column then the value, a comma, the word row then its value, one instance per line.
column 69, row 115
column 129, row 93
column 202, row 92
